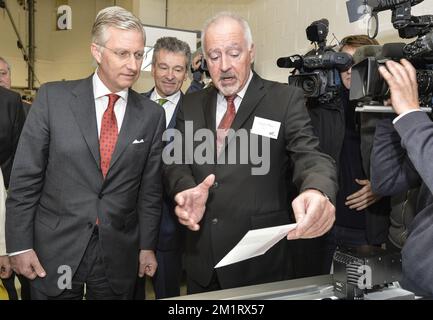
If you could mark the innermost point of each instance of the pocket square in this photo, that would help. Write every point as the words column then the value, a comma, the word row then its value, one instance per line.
column 138, row 141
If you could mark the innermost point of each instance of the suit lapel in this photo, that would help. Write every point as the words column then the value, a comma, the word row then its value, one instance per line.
column 83, row 108
column 253, row 95
column 128, row 131
column 172, row 122
column 209, row 110
column 209, row 114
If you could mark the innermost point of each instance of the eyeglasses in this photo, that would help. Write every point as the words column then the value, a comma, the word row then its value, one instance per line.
column 125, row 55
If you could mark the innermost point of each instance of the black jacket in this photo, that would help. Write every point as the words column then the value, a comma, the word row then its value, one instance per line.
column 240, row 201
column 329, row 125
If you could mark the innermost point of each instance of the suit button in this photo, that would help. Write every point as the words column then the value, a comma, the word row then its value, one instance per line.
column 101, row 195
column 215, row 185
column 214, row 221
column 90, row 225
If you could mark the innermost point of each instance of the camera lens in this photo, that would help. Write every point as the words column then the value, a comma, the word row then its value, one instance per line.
column 309, row 85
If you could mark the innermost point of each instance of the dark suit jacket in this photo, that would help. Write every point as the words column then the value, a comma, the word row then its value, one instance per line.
column 400, row 165
column 329, row 125
column 240, row 201
column 170, row 234
column 26, row 108
column 58, row 191
column 378, row 214
column 11, row 123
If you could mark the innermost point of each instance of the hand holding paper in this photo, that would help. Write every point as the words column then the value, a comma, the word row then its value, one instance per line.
column 314, row 214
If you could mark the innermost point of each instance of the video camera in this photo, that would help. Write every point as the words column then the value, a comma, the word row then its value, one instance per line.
column 202, row 67
column 316, row 73
column 367, row 85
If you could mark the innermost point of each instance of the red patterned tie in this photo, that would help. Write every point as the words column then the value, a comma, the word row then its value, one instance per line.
column 226, row 122
column 109, row 132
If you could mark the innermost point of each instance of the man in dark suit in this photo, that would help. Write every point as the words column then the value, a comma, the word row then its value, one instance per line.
column 11, row 123
column 220, row 202
column 85, row 199
column 170, row 63
column 401, row 160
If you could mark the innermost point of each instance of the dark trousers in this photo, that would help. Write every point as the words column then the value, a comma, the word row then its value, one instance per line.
column 309, row 257
column 9, row 285
column 166, row 280
column 194, row 287
column 91, row 274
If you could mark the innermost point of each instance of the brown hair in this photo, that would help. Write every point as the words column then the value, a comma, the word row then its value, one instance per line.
column 172, row 44
column 116, row 17
column 357, row 41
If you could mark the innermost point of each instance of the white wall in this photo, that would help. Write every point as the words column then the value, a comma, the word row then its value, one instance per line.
column 59, row 54
column 278, row 26
column 278, row 29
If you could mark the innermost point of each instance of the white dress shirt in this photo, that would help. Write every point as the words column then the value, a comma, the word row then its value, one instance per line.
column 100, row 92
column 169, row 106
column 221, row 107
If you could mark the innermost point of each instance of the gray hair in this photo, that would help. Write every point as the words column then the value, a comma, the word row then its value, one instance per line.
column 172, row 44
column 227, row 15
column 6, row 63
column 116, row 17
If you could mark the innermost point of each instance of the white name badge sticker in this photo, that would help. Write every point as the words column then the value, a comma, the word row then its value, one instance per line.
column 266, row 128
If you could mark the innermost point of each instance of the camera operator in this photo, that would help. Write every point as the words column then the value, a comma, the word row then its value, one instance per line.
column 361, row 219
column 199, row 73
column 401, row 159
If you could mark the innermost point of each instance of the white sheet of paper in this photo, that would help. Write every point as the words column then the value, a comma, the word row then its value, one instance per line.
column 265, row 127
column 255, row 243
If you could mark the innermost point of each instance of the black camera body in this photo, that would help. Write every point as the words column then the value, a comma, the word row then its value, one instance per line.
column 316, row 73
column 421, row 48
column 367, row 85
column 203, row 66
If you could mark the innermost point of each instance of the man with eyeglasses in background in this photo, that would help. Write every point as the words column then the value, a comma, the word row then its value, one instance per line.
column 85, row 195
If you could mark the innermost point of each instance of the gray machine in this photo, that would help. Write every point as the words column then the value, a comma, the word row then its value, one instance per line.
column 367, row 273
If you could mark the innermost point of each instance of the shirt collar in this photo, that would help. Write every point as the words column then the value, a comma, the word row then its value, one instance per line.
column 174, row 98
column 100, row 89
